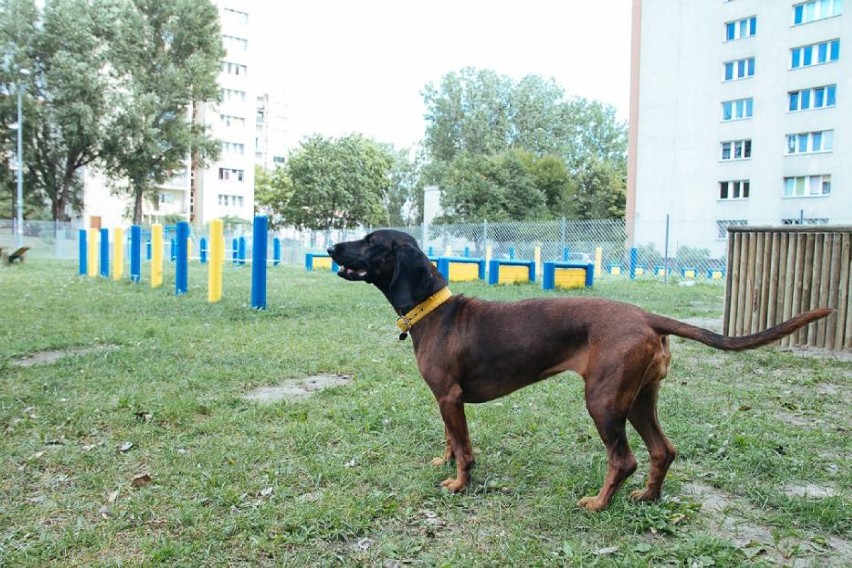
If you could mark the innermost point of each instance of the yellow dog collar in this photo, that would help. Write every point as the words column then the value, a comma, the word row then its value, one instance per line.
column 421, row 310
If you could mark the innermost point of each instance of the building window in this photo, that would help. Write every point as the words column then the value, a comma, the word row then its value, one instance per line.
column 739, row 69
column 810, row 142
column 233, row 68
column 805, row 12
column 741, row 29
column 722, row 226
column 815, row 54
column 235, row 16
column 736, row 189
column 807, row 186
column 233, row 43
column 166, row 198
column 817, row 97
column 736, row 150
column 738, row 109
column 230, row 174
column 805, row 221
column 233, row 95
column 229, row 121
column 233, row 148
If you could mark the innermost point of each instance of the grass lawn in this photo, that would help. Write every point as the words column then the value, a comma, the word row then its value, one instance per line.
column 127, row 438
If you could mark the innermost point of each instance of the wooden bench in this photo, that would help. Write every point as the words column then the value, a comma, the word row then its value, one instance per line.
column 16, row 256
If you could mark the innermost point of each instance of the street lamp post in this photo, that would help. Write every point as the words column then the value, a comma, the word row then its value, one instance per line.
column 20, row 196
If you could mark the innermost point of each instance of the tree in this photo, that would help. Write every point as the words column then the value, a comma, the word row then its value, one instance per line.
column 165, row 61
column 601, row 192
column 338, row 183
column 272, row 192
column 404, row 199
column 18, row 28
column 479, row 113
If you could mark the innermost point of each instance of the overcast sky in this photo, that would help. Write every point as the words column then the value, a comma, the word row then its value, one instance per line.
column 360, row 65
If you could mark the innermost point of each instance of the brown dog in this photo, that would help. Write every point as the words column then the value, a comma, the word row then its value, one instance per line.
column 470, row 350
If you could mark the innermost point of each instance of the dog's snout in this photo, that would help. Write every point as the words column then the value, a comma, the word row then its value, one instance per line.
column 330, row 250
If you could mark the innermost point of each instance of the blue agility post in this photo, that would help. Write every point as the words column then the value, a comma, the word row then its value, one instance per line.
column 258, row 264
column 135, row 253
column 276, row 251
column 182, row 252
column 105, row 253
column 634, row 260
column 84, row 260
column 148, row 250
column 174, row 250
column 235, row 251
column 242, row 251
column 202, row 250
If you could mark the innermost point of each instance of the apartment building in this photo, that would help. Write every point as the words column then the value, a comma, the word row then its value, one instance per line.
column 737, row 117
column 270, row 131
column 225, row 188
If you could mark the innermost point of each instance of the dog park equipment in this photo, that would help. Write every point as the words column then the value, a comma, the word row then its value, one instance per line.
column 461, row 269
column 104, row 250
column 319, row 260
column 92, row 252
column 569, row 275
column 258, row 264
column 217, row 259
column 182, row 259
column 276, row 251
column 156, row 255
column 688, row 273
column 117, row 253
column 510, row 271
column 82, row 251
column 715, row 273
column 135, row 254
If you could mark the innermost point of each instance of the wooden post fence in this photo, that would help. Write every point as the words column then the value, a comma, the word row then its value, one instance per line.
column 775, row 273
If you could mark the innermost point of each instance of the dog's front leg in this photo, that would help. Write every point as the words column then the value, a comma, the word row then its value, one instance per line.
column 452, row 411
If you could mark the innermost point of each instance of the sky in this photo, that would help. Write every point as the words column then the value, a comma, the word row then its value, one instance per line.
column 360, row 65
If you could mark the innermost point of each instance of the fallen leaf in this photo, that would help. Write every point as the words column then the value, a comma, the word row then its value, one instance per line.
column 125, row 447
column 144, row 416
column 141, row 480
column 266, row 492
column 607, row 550
column 112, row 496
column 350, row 463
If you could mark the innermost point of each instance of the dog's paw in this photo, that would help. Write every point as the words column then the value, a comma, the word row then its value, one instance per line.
column 592, row 504
column 643, row 495
column 453, row 484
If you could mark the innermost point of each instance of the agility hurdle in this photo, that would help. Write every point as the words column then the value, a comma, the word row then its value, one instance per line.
column 688, row 273
column 156, row 255
column 510, row 271
column 182, row 259
column 135, row 254
column 460, row 269
column 567, row 275
column 319, row 260
column 716, row 273
column 258, row 264
column 217, row 258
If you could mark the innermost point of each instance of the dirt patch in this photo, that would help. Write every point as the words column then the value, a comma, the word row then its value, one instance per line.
column 293, row 390
column 48, row 357
column 808, row 491
column 726, row 516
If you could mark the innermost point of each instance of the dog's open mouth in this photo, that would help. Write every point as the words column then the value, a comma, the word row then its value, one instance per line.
column 352, row 273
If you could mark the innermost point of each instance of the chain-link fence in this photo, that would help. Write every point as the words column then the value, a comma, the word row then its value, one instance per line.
column 664, row 249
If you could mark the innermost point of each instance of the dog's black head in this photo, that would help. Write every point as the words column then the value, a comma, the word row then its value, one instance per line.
column 392, row 261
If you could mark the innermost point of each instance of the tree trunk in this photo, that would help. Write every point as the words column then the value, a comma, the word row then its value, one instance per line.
column 137, row 206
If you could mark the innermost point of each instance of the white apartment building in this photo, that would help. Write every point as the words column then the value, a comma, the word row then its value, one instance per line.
column 225, row 188
column 270, row 131
column 738, row 116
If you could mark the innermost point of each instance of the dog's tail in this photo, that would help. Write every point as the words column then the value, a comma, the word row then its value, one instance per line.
column 667, row 326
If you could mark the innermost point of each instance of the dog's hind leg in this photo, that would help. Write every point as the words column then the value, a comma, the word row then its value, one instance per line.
column 448, row 451
column 608, row 403
column 452, row 411
column 643, row 417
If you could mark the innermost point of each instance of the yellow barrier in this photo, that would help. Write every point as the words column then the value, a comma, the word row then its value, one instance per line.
column 217, row 258
column 569, row 278
column 156, row 255
column 511, row 274
column 322, row 262
column 463, row 271
column 117, row 253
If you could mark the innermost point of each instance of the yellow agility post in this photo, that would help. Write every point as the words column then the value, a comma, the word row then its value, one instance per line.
column 156, row 255
column 93, row 252
column 117, row 253
column 537, row 258
column 598, row 261
column 188, row 248
column 217, row 258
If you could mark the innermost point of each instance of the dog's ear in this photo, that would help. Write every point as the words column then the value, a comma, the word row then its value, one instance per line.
column 411, row 280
